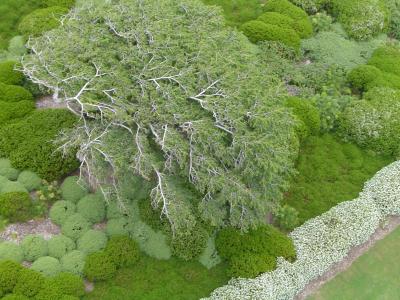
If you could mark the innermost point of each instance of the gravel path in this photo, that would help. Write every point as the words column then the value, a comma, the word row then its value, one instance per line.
column 355, row 253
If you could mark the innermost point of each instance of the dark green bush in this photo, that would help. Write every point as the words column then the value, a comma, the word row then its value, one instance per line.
column 277, row 19
column 189, row 245
column 30, row 180
column 48, row 292
column 75, row 226
column 62, row 3
column 28, row 143
column 73, row 262
column 60, row 245
column 387, row 59
column 307, row 115
column 258, row 31
column 16, row 206
column 92, row 241
column 48, row 266
column 34, row 247
column 11, row 251
column 99, row 266
column 303, row 27
column 14, row 93
column 123, row 251
column 254, row 252
column 68, row 284
column 41, row 20
column 29, row 283
column 9, row 273
column 284, row 7
column 363, row 77
column 61, row 210
column 15, row 110
column 72, row 189
column 8, row 74
column 92, row 207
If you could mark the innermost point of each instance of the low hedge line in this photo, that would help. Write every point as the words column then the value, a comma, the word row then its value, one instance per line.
column 324, row 241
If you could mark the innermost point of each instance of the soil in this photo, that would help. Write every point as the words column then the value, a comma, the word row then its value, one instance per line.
column 48, row 102
column 392, row 223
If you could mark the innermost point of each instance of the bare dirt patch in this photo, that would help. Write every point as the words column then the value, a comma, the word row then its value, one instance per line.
column 392, row 223
column 48, row 102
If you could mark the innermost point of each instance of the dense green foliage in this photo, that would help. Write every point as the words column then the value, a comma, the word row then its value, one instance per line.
column 16, row 206
column 92, row 207
column 73, row 262
column 14, row 93
column 61, row 210
column 46, row 265
column 29, row 283
column 11, row 251
column 72, row 189
column 68, row 284
column 307, row 116
column 8, row 74
column 9, row 273
column 60, row 245
column 213, row 140
column 15, row 110
column 75, row 226
column 387, row 59
column 329, row 172
column 29, row 143
column 34, row 247
column 191, row 244
column 99, row 266
column 123, row 251
column 254, row 252
column 92, row 241
column 30, row 180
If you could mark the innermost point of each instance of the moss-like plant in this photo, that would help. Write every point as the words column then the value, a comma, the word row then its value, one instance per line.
column 72, row 189
column 75, row 226
column 92, row 207
column 61, row 211
column 48, row 266
column 68, row 284
column 11, row 251
column 73, row 262
column 123, row 251
column 16, row 206
column 99, row 266
column 9, row 273
column 34, row 247
column 60, row 245
column 29, row 283
column 92, row 241
column 8, row 74
column 30, row 180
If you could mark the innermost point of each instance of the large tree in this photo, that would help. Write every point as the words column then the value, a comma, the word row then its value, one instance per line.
column 166, row 91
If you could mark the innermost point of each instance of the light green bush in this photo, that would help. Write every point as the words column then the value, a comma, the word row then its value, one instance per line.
column 120, row 226
column 73, row 262
column 29, row 283
column 210, row 258
column 34, row 247
column 307, row 116
column 92, row 207
column 387, row 59
column 287, row 217
column 11, row 111
column 48, row 266
column 16, row 206
column 8, row 74
column 5, row 163
column 277, row 19
column 75, row 226
column 30, row 180
column 14, row 93
column 13, row 186
column 73, row 189
column 9, row 273
column 286, row 8
column 60, row 245
column 61, row 210
column 92, row 241
column 10, row 173
column 11, row 251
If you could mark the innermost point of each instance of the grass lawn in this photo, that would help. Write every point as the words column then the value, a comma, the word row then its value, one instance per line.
column 374, row 276
column 152, row 279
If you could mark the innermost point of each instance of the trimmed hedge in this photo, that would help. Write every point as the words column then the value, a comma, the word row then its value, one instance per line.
column 48, row 266
column 28, row 143
column 30, row 180
column 34, row 247
column 11, row 251
column 92, row 207
column 61, row 211
column 41, row 20
column 8, row 74
column 75, row 226
column 123, row 251
column 14, row 93
column 72, row 190
column 60, row 245
column 16, row 206
column 73, row 262
column 92, row 241
column 277, row 19
column 99, row 266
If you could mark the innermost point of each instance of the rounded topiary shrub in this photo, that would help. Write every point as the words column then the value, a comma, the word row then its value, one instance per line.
column 92, row 207
column 72, row 189
column 99, row 266
column 13, row 186
column 73, row 262
column 75, row 226
column 49, row 292
column 286, row 8
column 11, row 251
column 30, row 180
column 249, row 266
column 68, row 284
column 92, row 241
column 34, row 247
column 9, row 273
column 10, row 173
column 29, row 283
column 14, row 93
column 8, row 74
column 363, row 77
column 189, row 245
column 61, row 211
column 16, row 206
column 41, row 20
column 123, row 251
column 5, row 163
column 277, row 19
column 48, row 266
column 60, row 245
column 120, row 226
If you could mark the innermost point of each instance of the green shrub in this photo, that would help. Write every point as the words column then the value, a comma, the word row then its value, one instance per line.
column 321, row 22
column 92, row 241
column 92, row 207
column 62, row 3
column 11, row 251
column 72, row 189
column 303, row 28
column 10, row 173
column 394, row 26
column 48, row 266
column 366, row 77
column 5, row 163
column 3, row 181
column 34, row 247
column 75, row 226
column 8, row 74
column 14, row 93
column 9, row 273
column 29, row 145
column 29, row 283
column 14, row 297
column 120, row 226
column 41, row 20
column 48, row 292
column 16, row 206
column 258, row 31
column 277, row 19
column 61, row 211
column 123, row 251
column 189, row 245
column 284, row 7
column 307, row 115
column 73, row 262
column 15, row 110
column 287, row 217
column 60, row 245
column 99, row 266
column 254, row 252
column 68, row 284
column 13, row 186
column 30, row 180
column 387, row 59
column 210, row 258
column 113, row 211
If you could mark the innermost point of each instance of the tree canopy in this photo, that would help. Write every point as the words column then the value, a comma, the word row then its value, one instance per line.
column 164, row 90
